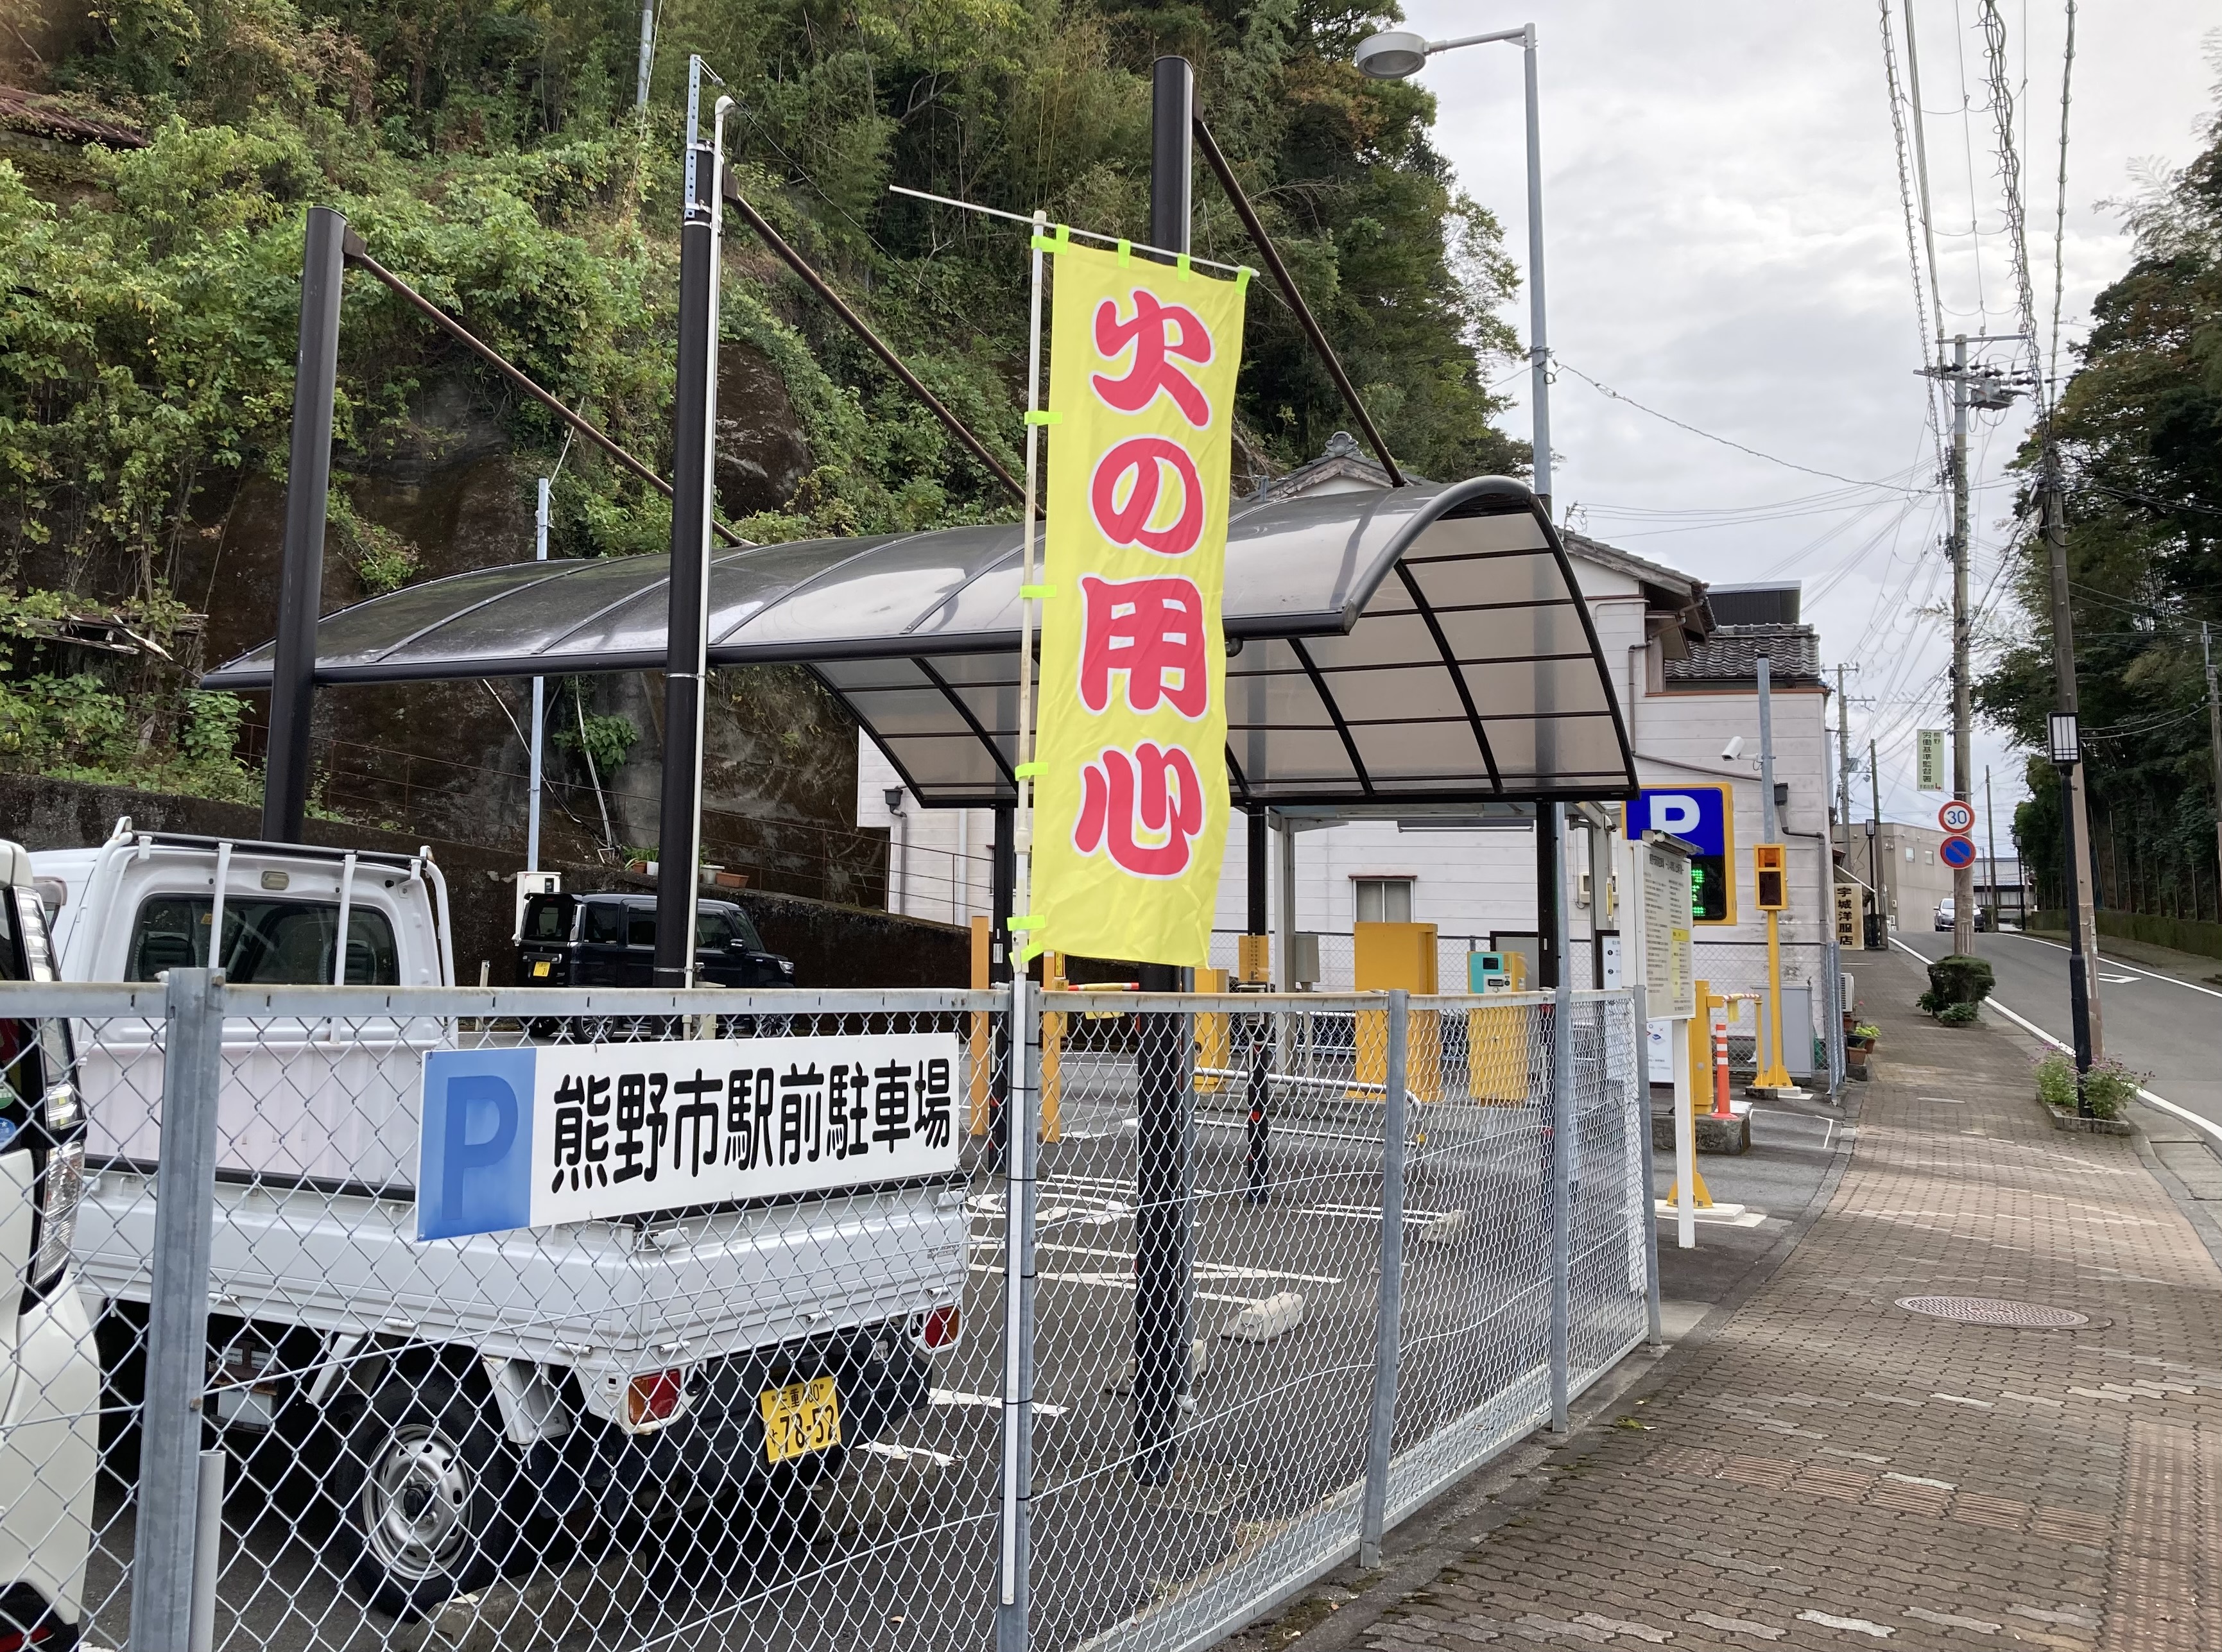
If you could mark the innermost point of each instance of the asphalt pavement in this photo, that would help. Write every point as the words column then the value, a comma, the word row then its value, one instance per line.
column 2158, row 1023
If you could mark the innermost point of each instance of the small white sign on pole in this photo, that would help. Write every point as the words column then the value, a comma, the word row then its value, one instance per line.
column 1670, row 978
column 1669, row 967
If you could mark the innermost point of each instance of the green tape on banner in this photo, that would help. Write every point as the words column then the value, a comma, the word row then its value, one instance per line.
column 1022, row 923
column 1030, row 771
column 1036, row 594
column 1035, row 416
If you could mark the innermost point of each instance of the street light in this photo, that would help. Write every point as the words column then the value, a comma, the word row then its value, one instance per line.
column 1398, row 53
column 2065, row 746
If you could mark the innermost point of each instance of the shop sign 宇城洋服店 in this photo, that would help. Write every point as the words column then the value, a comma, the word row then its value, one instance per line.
column 535, row 1135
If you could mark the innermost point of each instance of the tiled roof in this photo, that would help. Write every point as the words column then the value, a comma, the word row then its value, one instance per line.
column 1731, row 655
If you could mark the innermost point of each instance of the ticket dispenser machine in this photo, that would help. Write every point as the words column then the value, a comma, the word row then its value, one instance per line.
column 1500, row 1043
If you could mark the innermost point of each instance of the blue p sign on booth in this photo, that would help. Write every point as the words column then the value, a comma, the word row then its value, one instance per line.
column 1703, row 816
column 474, row 1160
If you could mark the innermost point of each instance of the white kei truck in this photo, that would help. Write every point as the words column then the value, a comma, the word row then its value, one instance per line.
column 49, row 1378
column 456, row 1401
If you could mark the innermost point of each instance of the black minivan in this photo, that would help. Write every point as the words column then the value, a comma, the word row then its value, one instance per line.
column 609, row 940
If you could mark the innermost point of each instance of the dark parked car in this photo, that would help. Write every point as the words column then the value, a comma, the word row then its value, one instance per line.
column 609, row 940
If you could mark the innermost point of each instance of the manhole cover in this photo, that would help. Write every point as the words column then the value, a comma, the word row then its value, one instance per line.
column 1995, row 1311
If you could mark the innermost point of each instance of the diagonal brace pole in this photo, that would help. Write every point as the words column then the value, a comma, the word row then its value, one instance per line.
column 359, row 255
column 1271, row 254
column 856, row 324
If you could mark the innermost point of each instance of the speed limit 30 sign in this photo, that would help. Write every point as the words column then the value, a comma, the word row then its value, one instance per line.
column 1956, row 817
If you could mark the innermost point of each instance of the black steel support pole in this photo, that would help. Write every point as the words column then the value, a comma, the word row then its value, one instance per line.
column 1257, row 1158
column 1164, row 1144
column 308, row 491
column 679, row 819
column 1549, row 892
column 1002, row 894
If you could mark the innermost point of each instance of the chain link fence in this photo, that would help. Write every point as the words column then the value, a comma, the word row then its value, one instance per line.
column 430, row 1318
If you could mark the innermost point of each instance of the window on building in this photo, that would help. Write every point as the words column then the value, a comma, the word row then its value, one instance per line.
column 1382, row 900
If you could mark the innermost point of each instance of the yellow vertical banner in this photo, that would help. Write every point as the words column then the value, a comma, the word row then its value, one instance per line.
column 1131, row 801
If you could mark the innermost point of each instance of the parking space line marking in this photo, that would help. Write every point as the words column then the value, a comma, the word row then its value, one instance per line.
column 987, row 1401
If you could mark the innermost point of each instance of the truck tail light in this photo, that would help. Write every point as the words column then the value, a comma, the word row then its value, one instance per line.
column 61, row 1189
column 937, row 1330
column 656, row 1398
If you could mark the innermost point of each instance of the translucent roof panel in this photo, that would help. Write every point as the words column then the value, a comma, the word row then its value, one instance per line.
column 1408, row 644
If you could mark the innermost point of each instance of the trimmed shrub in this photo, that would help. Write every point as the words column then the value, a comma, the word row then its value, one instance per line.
column 1959, row 979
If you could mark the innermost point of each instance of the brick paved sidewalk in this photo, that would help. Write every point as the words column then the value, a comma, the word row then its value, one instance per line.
column 1830, row 1470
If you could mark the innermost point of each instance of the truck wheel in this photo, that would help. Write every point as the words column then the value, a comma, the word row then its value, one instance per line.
column 422, row 1493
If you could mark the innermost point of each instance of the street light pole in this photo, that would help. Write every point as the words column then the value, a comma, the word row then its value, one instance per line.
column 2082, row 924
column 1396, row 54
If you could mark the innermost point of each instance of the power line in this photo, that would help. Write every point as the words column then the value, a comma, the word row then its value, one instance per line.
column 2002, row 117
column 1668, row 418
column 2060, row 214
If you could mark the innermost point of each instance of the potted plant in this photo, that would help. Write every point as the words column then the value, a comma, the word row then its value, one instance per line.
column 1859, row 1043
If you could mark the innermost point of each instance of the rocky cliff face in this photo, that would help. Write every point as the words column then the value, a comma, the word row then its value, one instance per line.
column 448, row 760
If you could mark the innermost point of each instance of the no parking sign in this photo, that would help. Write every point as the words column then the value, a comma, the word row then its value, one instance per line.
column 1956, row 852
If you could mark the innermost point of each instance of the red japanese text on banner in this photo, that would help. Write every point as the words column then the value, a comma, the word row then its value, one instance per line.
column 1131, row 806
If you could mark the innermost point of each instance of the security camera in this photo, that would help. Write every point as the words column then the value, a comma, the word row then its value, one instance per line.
column 1734, row 750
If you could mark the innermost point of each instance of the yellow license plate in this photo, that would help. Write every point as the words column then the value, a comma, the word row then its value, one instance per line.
column 798, row 1419
column 540, row 969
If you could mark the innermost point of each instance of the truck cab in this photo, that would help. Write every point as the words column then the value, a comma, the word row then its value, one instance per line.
column 49, row 1373
column 609, row 940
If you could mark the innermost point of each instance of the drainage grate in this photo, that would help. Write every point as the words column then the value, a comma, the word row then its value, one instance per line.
column 1995, row 1311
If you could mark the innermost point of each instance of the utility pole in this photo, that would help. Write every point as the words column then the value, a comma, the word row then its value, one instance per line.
column 1963, row 878
column 2214, row 734
column 1878, row 936
column 1991, row 828
column 1843, row 759
column 2082, row 924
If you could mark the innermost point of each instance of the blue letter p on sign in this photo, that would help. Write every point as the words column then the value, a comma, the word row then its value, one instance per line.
column 474, row 1145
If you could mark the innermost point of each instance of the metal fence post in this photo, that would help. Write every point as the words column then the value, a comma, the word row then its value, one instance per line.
column 1012, row 1603
column 1389, row 1308
column 1639, row 1007
column 168, row 1532
column 1563, row 1143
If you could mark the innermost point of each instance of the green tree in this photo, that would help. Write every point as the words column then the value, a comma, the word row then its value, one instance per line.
column 2138, row 430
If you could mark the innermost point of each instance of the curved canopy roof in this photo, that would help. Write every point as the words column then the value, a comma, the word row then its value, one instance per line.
column 1389, row 645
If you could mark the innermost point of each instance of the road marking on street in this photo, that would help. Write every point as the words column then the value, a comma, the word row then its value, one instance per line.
column 1948, row 1100
column 2032, row 1399
column 2172, row 981
column 2143, row 1095
column 2118, row 980
column 1963, row 1400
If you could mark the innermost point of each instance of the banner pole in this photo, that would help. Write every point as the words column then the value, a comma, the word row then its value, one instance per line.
column 1019, row 1152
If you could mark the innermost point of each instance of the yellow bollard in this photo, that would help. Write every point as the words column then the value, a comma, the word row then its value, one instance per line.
column 1701, row 1080
column 1215, row 1046
column 1052, row 1049
column 982, row 1027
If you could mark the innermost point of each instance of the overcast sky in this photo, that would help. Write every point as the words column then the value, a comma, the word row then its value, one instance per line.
column 1724, row 243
